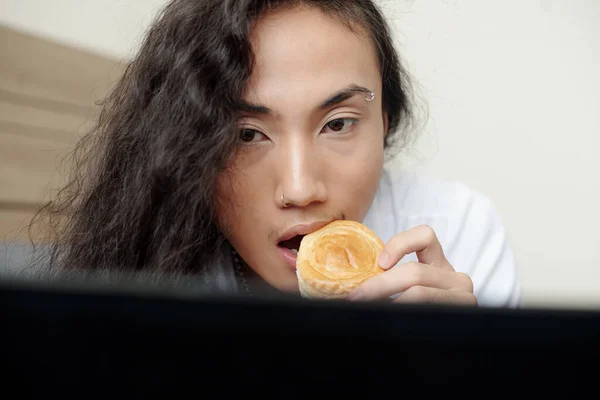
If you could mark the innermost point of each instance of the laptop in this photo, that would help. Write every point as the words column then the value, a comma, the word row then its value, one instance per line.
column 82, row 339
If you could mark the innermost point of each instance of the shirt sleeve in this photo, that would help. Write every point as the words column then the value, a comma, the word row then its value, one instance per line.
column 481, row 248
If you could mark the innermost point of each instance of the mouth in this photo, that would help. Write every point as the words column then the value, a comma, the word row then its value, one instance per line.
column 289, row 250
column 292, row 244
column 289, row 243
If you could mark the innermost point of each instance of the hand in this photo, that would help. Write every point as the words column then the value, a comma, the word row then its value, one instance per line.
column 430, row 280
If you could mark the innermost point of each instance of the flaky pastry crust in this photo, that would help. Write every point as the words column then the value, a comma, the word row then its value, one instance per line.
column 333, row 260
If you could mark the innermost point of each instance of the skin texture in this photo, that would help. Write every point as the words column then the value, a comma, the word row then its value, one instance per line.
column 325, row 170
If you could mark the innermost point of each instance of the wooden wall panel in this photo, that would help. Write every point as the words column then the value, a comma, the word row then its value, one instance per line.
column 14, row 226
column 41, row 68
column 31, row 168
column 54, row 125
column 48, row 99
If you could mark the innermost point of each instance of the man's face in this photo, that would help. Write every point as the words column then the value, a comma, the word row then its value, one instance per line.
column 324, row 159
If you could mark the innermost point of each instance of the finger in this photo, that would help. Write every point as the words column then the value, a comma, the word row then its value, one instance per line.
column 421, row 240
column 408, row 275
column 428, row 295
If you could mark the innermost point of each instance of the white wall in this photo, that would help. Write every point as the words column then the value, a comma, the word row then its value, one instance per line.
column 109, row 27
column 514, row 102
column 514, row 96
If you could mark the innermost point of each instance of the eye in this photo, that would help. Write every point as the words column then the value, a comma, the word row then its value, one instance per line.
column 251, row 135
column 340, row 125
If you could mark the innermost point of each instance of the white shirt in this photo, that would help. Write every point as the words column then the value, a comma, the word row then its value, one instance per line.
column 466, row 223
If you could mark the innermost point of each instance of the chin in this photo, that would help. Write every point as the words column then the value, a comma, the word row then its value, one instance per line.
column 286, row 285
column 290, row 286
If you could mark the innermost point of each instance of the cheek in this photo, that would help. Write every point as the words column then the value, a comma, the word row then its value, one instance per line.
column 361, row 181
column 354, row 177
column 243, row 207
column 234, row 204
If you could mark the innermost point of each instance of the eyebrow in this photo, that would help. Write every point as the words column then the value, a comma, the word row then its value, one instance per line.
column 343, row 95
column 337, row 98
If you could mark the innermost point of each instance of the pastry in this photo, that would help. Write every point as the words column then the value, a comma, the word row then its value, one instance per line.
column 333, row 260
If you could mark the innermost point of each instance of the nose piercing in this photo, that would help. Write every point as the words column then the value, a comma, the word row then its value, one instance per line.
column 370, row 97
column 283, row 203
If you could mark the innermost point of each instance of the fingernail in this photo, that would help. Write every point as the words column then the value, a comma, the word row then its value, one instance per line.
column 383, row 260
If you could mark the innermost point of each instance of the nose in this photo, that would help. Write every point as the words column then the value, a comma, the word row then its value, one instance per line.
column 300, row 181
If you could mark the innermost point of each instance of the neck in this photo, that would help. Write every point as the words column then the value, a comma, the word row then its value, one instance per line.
column 257, row 285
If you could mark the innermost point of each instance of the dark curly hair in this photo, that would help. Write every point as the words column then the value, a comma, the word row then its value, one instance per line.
column 142, row 197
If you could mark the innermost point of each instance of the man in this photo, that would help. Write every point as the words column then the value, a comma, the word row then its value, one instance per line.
column 241, row 126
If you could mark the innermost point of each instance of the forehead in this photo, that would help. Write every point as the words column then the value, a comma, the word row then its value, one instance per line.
column 303, row 53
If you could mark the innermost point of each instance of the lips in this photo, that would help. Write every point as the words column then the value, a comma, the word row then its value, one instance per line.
column 293, row 243
column 301, row 230
column 289, row 243
column 289, row 250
